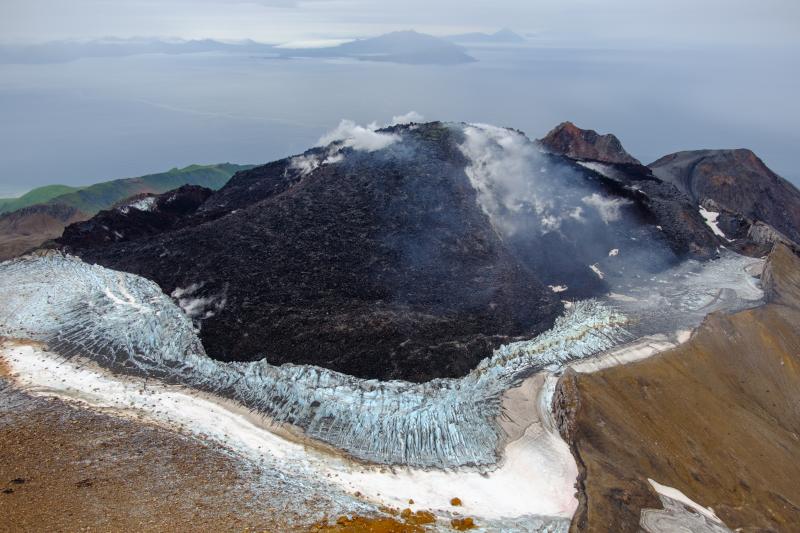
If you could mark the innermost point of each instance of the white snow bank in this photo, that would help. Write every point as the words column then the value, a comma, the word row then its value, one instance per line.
column 596, row 270
column 675, row 494
column 536, row 476
column 630, row 353
column 711, row 221
column 142, row 204
column 680, row 513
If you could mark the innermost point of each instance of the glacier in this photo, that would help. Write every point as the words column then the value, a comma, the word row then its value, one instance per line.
column 125, row 323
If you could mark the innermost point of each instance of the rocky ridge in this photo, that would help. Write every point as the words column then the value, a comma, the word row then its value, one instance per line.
column 736, row 184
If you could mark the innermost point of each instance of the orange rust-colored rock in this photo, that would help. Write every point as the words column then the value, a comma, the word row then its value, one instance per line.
column 462, row 524
column 417, row 518
column 455, row 502
column 360, row 524
column 717, row 418
column 572, row 141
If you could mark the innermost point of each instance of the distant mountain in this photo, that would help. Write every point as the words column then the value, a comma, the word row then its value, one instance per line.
column 569, row 140
column 504, row 36
column 64, row 51
column 26, row 228
column 734, row 182
column 398, row 47
column 408, row 47
column 36, row 196
column 103, row 195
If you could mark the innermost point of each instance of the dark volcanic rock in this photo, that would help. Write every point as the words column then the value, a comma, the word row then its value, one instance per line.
column 380, row 266
column 739, row 183
column 670, row 210
column 569, row 140
column 386, row 263
column 136, row 217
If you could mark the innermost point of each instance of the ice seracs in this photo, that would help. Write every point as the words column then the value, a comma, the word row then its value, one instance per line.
column 125, row 322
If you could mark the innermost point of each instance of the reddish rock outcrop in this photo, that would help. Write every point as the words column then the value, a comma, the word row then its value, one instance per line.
column 569, row 140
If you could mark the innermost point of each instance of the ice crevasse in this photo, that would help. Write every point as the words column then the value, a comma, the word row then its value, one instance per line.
column 127, row 324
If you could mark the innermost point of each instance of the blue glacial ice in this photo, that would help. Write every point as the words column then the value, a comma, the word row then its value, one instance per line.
column 126, row 323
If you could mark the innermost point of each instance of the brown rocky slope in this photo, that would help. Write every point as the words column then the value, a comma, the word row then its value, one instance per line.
column 738, row 182
column 569, row 140
column 27, row 228
column 718, row 418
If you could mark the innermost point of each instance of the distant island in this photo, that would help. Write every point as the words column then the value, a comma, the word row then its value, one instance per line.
column 408, row 47
column 504, row 36
column 65, row 51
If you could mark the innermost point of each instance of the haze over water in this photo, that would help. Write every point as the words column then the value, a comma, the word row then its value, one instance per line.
column 93, row 119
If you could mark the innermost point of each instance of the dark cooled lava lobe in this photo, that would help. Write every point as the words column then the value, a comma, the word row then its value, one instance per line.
column 380, row 264
column 140, row 216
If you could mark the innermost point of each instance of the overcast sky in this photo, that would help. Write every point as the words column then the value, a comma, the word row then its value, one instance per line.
column 641, row 23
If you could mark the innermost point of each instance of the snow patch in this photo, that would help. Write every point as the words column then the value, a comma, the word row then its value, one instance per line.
column 677, row 495
column 711, row 221
column 680, row 513
column 597, row 271
column 640, row 349
column 142, row 204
